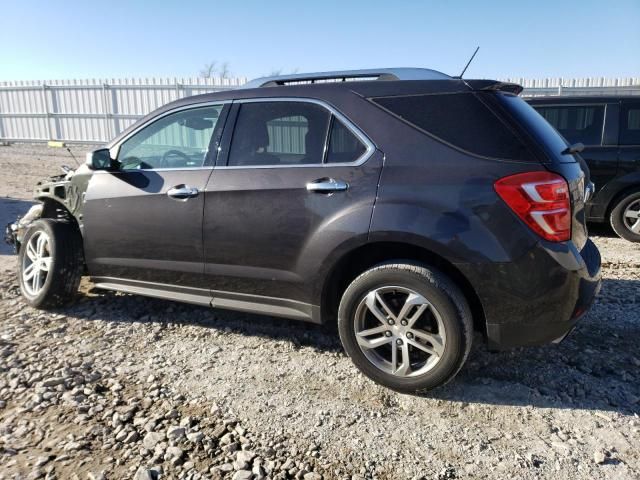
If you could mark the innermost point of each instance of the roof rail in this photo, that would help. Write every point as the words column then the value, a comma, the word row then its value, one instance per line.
column 348, row 75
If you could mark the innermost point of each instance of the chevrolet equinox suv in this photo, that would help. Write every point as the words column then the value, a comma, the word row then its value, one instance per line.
column 409, row 206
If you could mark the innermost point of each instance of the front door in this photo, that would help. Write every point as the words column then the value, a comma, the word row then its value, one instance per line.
column 298, row 181
column 143, row 220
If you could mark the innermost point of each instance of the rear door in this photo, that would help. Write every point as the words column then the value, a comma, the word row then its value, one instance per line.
column 629, row 153
column 143, row 220
column 297, row 179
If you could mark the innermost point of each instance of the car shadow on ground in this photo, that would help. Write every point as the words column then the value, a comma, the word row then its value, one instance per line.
column 10, row 209
column 595, row 368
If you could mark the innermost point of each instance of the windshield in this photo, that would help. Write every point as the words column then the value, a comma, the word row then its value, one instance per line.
column 534, row 123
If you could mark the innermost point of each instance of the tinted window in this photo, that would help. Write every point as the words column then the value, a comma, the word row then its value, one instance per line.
column 344, row 145
column 178, row 140
column 461, row 120
column 580, row 123
column 630, row 128
column 279, row 133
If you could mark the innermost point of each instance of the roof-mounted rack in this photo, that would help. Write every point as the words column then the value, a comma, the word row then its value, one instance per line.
column 348, row 75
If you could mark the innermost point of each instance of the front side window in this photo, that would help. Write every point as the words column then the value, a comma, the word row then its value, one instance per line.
column 630, row 128
column 580, row 123
column 179, row 140
column 279, row 133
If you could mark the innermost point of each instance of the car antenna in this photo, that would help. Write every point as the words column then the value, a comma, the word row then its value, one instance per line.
column 468, row 63
column 73, row 156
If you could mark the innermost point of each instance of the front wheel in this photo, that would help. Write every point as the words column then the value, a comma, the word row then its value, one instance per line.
column 50, row 263
column 405, row 326
column 625, row 217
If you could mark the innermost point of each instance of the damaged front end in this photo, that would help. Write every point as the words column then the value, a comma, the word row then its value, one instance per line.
column 60, row 197
column 14, row 232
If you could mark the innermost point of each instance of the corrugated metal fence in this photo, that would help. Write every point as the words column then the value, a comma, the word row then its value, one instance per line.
column 95, row 111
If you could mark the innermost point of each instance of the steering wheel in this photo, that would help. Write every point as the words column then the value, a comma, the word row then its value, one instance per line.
column 164, row 163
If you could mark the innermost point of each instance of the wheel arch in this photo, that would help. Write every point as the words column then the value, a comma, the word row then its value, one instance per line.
column 365, row 256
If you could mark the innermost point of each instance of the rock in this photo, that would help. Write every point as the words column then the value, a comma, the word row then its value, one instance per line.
column 245, row 456
column 173, row 455
column 143, row 474
column 97, row 476
column 151, row 439
column 599, row 457
column 131, row 437
column 195, row 437
column 175, row 432
column 312, row 476
column 242, row 475
column 52, row 382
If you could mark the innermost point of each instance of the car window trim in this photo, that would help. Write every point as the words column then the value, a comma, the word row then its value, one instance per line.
column 369, row 145
column 588, row 104
column 208, row 165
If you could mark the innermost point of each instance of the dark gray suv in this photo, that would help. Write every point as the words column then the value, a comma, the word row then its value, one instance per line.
column 409, row 206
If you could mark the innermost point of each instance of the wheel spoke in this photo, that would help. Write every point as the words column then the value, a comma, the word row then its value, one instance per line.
column 632, row 214
column 434, row 339
column 46, row 264
column 635, row 228
column 31, row 252
column 28, row 272
column 373, row 342
column 36, row 281
column 405, row 366
column 372, row 331
column 371, row 301
column 412, row 301
column 42, row 241
column 424, row 348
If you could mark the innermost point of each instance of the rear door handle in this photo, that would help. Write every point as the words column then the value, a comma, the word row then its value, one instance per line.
column 327, row 185
column 183, row 192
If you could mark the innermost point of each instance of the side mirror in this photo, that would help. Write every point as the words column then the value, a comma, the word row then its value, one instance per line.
column 99, row 159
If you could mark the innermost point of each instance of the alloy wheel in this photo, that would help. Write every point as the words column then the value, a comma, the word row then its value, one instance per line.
column 36, row 263
column 631, row 217
column 399, row 331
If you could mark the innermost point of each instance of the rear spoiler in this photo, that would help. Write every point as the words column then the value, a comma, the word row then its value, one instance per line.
column 494, row 85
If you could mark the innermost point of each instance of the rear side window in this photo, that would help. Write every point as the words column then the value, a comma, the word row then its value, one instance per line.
column 630, row 128
column 461, row 120
column 279, row 133
column 576, row 123
column 344, row 146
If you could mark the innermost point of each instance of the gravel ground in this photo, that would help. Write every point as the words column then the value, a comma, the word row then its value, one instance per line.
column 120, row 386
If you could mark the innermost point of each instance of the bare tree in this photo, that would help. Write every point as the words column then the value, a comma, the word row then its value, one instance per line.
column 208, row 70
column 224, row 71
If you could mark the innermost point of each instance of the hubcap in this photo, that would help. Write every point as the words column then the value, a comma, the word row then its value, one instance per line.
column 36, row 263
column 399, row 331
column 632, row 217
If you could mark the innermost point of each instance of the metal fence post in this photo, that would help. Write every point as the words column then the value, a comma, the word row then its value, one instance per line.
column 45, row 104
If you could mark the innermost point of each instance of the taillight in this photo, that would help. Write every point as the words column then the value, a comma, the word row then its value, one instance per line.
column 541, row 200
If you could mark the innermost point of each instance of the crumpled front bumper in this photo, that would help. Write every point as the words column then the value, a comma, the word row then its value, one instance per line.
column 14, row 232
column 11, row 236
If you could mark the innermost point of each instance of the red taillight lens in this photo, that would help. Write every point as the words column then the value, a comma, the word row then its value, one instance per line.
column 541, row 200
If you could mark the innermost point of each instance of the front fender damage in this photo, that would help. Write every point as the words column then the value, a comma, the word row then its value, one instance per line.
column 14, row 232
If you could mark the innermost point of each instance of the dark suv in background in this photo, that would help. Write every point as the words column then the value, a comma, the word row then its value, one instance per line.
column 410, row 206
column 609, row 128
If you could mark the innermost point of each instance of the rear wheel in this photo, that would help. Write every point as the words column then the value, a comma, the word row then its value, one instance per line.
column 405, row 326
column 625, row 217
column 50, row 263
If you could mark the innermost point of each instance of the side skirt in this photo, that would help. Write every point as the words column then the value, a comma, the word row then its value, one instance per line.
column 242, row 302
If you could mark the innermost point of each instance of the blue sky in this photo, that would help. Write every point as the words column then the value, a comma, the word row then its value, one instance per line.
column 86, row 39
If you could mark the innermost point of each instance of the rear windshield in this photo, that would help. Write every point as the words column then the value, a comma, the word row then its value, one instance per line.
column 541, row 130
column 461, row 120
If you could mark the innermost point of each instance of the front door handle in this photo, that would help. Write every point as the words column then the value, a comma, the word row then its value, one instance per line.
column 183, row 192
column 327, row 185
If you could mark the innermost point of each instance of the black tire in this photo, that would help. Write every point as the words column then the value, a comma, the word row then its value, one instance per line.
column 617, row 218
column 441, row 292
column 61, row 282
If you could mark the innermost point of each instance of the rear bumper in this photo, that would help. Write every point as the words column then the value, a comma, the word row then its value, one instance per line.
column 539, row 298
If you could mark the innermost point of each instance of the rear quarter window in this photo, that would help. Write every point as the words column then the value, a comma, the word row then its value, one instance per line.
column 461, row 120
